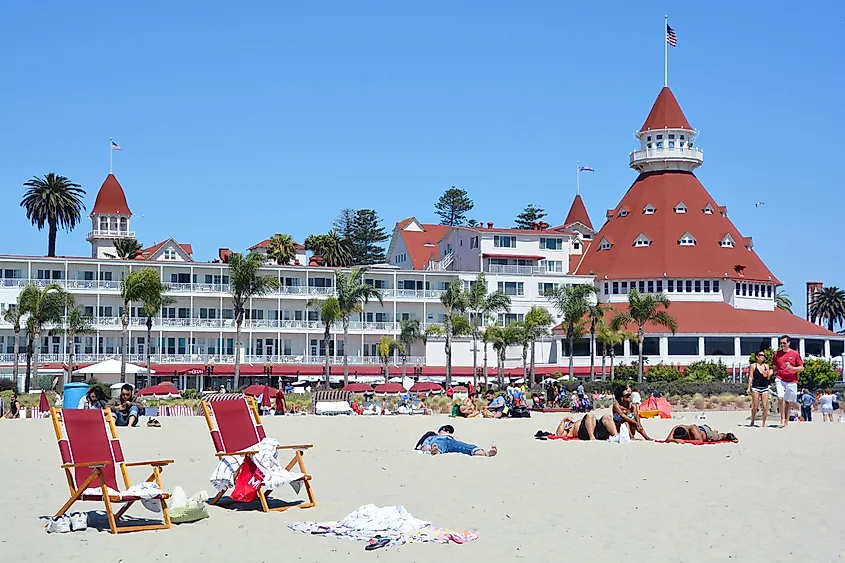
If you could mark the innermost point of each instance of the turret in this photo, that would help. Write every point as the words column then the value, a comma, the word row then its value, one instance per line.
column 666, row 139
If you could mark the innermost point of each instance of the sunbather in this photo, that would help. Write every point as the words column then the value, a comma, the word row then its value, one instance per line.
column 468, row 408
column 692, row 433
column 588, row 428
column 443, row 442
column 624, row 413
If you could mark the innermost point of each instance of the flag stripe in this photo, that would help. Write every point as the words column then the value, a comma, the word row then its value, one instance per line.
column 671, row 38
column 115, row 146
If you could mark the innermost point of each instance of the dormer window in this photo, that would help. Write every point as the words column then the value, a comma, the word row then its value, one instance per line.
column 169, row 254
column 642, row 240
column 728, row 241
column 682, row 137
column 604, row 244
column 680, row 208
column 687, row 240
column 649, row 209
column 623, row 212
column 708, row 209
column 576, row 246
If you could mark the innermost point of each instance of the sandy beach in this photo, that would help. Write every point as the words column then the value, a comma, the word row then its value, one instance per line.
column 772, row 497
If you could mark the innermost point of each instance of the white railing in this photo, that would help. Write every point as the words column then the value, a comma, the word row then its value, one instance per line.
column 528, row 270
column 294, row 290
column 212, row 359
column 685, row 153
column 111, row 233
column 442, row 264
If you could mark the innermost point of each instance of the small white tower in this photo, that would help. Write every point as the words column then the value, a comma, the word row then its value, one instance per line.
column 109, row 219
column 666, row 139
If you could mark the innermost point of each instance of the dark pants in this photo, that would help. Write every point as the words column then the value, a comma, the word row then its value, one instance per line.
column 807, row 413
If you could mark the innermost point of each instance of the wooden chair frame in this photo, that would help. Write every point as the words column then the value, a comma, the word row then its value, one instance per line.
column 98, row 478
column 263, row 493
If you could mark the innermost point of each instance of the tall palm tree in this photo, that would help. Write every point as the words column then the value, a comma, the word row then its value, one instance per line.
column 610, row 338
column 502, row 338
column 455, row 300
column 352, row 294
column 12, row 315
column 487, row 338
column 335, row 250
column 386, row 347
column 281, row 249
column 54, row 201
column 154, row 299
column 245, row 282
column 596, row 315
column 829, row 304
column 126, row 249
column 134, row 287
column 572, row 302
column 409, row 332
column 783, row 301
column 76, row 324
column 45, row 308
column 537, row 321
column 645, row 308
column 329, row 316
column 481, row 305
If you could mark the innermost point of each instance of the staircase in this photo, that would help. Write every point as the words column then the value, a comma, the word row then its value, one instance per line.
column 441, row 265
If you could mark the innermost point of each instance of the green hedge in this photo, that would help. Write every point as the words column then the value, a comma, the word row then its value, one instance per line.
column 665, row 388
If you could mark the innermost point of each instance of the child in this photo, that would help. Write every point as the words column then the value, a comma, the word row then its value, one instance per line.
column 807, row 401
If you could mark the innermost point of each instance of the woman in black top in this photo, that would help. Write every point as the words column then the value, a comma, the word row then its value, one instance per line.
column 759, row 379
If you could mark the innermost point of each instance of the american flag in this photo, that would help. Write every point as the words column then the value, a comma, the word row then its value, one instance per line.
column 585, row 169
column 115, row 146
column 671, row 38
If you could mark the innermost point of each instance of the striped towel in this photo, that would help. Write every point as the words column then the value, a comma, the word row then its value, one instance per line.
column 178, row 410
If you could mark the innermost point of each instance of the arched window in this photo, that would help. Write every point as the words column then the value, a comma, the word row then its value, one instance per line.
column 123, row 224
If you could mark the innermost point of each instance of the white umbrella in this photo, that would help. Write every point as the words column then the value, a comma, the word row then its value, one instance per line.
column 111, row 367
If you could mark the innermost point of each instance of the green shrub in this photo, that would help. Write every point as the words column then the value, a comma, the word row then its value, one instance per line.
column 625, row 372
column 662, row 372
column 45, row 381
column 8, row 385
column 106, row 388
column 818, row 374
column 190, row 394
column 705, row 371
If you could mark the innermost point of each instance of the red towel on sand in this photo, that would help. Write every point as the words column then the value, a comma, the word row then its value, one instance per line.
column 564, row 438
column 693, row 443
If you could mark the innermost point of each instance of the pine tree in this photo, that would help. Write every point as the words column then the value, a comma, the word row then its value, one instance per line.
column 367, row 234
column 531, row 215
column 344, row 222
column 453, row 206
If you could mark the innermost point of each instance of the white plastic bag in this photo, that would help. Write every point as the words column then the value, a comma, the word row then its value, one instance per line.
column 184, row 509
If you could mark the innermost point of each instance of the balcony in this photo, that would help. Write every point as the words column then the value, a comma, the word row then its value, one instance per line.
column 108, row 233
column 682, row 158
column 212, row 359
column 525, row 270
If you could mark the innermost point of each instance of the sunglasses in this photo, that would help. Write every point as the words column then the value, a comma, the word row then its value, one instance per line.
column 626, row 394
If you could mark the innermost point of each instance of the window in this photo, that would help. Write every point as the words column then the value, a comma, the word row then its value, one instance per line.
column 706, row 286
column 319, row 282
column 642, row 240
column 504, row 319
column 642, row 286
column 624, row 287
column 715, row 285
column 649, row 209
column 651, row 346
column 698, row 286
column 689, row 286
column 606, row 287
column 714, row 346
column 605, row 244
column 680, row 208
column 615, row 288
column 659, row 286
column 670, row 286
column 736, row 292
column 756, row 290
column 659, row 137
column 551, row 243
column 546, row 288
column 500, row 241
column 378, row 284
column 813, row 347
column 576, row 246
column 837, row 347
column 744, row 289
column 768, row 291
column 727, row 242
column 553, row 266
column 473, row 242
column 650, row 286
column 169, row 254
column 683, row 345
column 671, row 141
column 680, row 286
column 512, row 288
column 623, row 212
column 708, row 209
column 687, row 240
column 648, row 138
column 748, row 346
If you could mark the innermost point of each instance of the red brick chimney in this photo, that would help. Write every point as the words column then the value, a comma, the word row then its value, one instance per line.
column 489, row 224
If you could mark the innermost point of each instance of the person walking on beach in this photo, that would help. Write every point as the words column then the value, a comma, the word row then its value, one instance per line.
column 14, row 407
column 759, row 380
column 829, row 403
column 787, row 364
column 807, row 402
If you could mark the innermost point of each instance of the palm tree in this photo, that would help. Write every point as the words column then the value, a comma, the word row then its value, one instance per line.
column 537, row 321
column 783, row 301
column 502, row 338
column 329, row 316
column 126, row 249
column 244, row 284
column 77, row 323
column 572, row 302
column 386, row 347
column 55, row 201
column 45, row 308
column 281, row 249
column 154, row 299
column 829, row 304
column 596, row 315
column 455, row 301
column 486, row 338
column 610, row 338
column 352, row 294
column 481, row 305
column 409, row 332
column 335, row 250
column 135, row 286
column 12, row 315
column 645, row 308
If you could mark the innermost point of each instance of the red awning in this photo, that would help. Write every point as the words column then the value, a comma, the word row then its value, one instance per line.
column 515, row 256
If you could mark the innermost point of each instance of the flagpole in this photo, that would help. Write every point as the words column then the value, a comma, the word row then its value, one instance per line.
column 577, row 178
column 111, row 153
column 665, row 50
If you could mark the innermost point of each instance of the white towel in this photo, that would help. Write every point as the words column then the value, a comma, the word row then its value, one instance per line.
column 148, row 493
column 372, row 518
column 267, row 460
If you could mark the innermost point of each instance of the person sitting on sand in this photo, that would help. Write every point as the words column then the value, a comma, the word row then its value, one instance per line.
column 126, row 410
column 588, row 428
column 495, row 406
column 468, row 408
column 444, row 442
column 94, row 399
column 623, row 413
column 691, row 433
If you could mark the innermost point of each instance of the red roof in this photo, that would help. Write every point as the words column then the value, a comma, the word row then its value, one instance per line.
column 422, row 246
column 515, row 256
column 701, row 317
column 264, row 243
column 578, row 213
column 111, row 199
column 666, row 113
column 707, row 258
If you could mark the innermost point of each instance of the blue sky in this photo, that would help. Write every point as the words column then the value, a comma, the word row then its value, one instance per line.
column 239, row 121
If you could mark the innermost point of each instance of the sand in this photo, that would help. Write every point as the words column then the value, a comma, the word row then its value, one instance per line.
column 772, row 497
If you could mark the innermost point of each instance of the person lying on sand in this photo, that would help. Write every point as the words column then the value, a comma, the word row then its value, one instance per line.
column 692, row 433
column 588, row 428
column 443, row 442
column 624, row 413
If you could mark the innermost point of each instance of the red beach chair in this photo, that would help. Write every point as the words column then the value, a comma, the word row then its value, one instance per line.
column 91, row 455
column 235, row 426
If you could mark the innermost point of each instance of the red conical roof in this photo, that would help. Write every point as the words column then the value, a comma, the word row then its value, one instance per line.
column 664, row 227
column 578, row 213
column 666, row 113
column 111, row 199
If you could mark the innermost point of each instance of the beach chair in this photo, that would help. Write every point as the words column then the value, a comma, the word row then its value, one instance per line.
column 91, row 455
column 235, row 426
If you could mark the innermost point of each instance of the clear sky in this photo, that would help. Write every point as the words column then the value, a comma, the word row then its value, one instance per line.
column 239, row 120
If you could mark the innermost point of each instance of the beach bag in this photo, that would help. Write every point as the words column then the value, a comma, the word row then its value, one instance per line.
column 248, row 482
column 184, row 510
column 836, row 405
column 520, row 412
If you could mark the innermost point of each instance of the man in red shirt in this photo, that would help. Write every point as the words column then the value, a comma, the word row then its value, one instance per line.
column 787, row 363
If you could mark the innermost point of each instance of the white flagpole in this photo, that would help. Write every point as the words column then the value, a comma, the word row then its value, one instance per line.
column 577, row 178
column 666, row 50
column 111, row 153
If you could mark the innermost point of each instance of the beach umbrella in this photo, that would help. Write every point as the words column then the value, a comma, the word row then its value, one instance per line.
column 165, row 389
column 265, row 396
column 43, row 404
column 426, row 387
column 258, row 390
column 459, row 389
column 357, row 388
column 389, row 389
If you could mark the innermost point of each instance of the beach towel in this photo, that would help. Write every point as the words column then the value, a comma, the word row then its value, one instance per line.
column 266, row 460
column 391, row 524
column 695, row 442
column 147, row 492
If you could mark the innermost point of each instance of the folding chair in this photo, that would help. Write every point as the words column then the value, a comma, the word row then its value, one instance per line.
column 91, row 453
column 235, row 427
